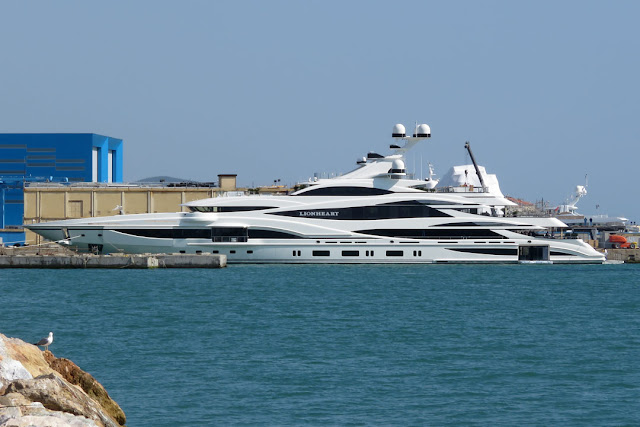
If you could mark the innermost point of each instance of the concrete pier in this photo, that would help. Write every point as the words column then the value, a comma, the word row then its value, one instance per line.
column 114, row 261
column 626, row 255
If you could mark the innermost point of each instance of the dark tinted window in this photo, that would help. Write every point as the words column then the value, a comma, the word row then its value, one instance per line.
column 395, row 253
column 350, row 253
column 383, row 211
column 228, row 231
column 434, row 233
column 487, row 251
column 344, row 191
column 229, row 234
column 475, row 224
column 168, row 233
column 271, row 234
column 467, row 210
column 321, row 253
column 228, row 208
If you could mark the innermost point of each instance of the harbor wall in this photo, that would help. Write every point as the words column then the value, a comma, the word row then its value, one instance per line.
column 626, row 255
column 114, row 261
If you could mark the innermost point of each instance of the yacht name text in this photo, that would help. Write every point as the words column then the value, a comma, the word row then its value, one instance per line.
column 319, row 213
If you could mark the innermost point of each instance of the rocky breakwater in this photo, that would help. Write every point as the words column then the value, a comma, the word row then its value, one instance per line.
column 38, row 389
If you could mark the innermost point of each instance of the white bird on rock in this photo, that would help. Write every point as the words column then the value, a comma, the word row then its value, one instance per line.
column 46, row 342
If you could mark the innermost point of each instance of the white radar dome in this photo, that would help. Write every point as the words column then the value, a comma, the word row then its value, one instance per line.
column 397, row 167
column 398, row 164
column 399, row 131
column 423, row 131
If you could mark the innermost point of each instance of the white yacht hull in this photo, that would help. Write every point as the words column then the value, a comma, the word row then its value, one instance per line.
column 330, row 251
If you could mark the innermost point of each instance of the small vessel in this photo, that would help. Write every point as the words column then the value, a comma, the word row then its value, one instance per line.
column 568, row 213
column 377, row 213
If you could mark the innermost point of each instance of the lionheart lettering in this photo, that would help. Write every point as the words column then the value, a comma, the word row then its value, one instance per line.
column 319, row 213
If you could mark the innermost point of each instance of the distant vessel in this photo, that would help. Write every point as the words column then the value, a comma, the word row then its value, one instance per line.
column 568, row 214
column 373, row 214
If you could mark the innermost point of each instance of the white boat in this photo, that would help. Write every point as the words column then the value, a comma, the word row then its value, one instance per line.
column 376, row 213
column 568, row 213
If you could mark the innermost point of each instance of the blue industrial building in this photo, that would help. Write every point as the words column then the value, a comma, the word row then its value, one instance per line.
column 50, row 157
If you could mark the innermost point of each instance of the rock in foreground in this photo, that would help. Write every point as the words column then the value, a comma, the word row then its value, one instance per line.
column 38, row 389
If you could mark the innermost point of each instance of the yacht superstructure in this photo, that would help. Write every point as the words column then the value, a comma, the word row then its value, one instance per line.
column 568, row 213
column 373, row 214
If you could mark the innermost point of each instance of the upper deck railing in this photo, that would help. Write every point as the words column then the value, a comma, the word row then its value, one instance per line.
column 462, row 189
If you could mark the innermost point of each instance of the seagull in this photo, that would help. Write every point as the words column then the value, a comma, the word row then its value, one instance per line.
column 46, row 342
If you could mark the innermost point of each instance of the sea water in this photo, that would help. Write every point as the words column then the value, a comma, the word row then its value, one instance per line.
column 346, row 345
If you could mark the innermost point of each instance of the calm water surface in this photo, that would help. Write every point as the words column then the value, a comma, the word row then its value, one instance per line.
column 291, row 345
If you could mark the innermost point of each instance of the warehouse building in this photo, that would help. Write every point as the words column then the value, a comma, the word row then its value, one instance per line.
column 51, row 201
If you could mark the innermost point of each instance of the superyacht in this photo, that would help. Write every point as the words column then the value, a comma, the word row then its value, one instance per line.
column 376, row 213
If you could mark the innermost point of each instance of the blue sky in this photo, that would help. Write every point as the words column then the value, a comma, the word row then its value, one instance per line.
column 545, row 91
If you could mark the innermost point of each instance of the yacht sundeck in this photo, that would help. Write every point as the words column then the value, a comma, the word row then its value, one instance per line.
column 373, row 214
